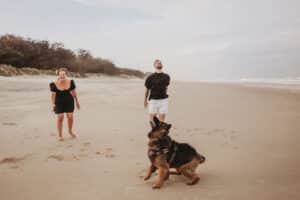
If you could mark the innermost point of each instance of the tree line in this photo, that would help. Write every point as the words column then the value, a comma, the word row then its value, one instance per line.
column 20, row 52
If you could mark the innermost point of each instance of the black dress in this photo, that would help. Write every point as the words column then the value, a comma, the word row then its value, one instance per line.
column 64, row 101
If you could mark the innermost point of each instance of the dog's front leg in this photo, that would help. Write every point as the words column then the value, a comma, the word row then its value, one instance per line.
column 151, row 170
column 163, row 173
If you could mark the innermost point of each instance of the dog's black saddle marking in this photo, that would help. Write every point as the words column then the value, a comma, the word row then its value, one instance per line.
column 167, row 147
column 172, row 155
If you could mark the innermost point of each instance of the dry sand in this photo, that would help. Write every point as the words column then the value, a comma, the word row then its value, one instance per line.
column 250, row 137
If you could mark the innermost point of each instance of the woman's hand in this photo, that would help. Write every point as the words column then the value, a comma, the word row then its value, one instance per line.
column 77, row 106
column 53, row 107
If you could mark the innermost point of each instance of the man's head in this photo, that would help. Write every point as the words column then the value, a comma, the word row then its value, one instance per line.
column 157, row 64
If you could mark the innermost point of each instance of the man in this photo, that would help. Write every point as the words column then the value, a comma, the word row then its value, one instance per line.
column 156, row 85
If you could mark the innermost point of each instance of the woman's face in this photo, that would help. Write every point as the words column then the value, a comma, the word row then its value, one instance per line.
column 62, row 74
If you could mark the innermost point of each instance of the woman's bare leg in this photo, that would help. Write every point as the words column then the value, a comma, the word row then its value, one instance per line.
column 70, row 124
column 60, row 119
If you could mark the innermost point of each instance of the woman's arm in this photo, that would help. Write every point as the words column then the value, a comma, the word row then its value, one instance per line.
column 74, row 94
column 53, row 95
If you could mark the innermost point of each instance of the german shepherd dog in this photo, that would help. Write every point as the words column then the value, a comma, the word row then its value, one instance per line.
column 165, row 153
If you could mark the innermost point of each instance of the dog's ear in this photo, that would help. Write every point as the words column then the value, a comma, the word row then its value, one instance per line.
column 169, row 126
column 152, row 124
column 156, row 121
column 150, row 134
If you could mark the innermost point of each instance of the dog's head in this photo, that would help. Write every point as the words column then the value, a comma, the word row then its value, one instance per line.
column 159, row 130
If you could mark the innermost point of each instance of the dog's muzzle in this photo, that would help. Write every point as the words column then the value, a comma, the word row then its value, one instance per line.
column 201, row 159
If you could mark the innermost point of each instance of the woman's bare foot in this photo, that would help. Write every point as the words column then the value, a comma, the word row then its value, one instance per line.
column 60, row 139
column 72, row 135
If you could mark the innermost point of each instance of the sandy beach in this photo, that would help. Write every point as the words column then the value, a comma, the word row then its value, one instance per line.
column 249, row 135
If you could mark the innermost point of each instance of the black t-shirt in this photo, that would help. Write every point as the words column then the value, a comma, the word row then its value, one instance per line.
column 157, row 83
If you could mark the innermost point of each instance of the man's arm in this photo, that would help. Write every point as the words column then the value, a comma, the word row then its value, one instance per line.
column 148, row 87
column 167, row 83
column 146, row 97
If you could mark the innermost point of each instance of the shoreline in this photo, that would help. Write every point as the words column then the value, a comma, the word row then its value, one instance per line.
column 272, row 86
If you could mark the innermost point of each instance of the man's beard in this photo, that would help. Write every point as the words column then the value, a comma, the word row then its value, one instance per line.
column 159, row 67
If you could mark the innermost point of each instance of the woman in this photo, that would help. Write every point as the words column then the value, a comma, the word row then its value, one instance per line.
column 156, row 93
column 63, row 94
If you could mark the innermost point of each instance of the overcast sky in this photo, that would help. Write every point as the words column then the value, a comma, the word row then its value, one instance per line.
column 196, row 40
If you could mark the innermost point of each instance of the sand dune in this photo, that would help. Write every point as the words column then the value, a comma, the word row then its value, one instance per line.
column 249, row 136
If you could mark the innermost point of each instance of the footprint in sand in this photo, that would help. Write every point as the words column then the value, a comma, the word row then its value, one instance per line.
column 52, row 134
column 75, row 157
column 9, row 124
column 83, row 149
column 216, row 130
column 56, row 157
column 86, row 143
column 108, row 153
column 14, row 160
column 208, row 133
column 98, row 153
column 224, row 144
column 232, row 137
column 188, row 130
column 59, row 157
column 83, row 155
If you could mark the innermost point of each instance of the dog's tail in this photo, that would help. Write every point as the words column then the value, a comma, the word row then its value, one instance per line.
column 201, row 158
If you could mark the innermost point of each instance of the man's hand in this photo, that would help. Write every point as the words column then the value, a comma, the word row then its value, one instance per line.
column 145, row 103
column 146, row 98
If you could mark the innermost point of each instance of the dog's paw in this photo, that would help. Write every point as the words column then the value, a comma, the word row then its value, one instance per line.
column 156, row 186
column 167, row 177
column 194, row 181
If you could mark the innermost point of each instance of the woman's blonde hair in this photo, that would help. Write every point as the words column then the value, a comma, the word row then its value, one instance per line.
column 61, row 69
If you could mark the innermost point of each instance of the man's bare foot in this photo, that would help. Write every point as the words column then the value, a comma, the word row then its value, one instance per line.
column 60, row 139
column 72, row 135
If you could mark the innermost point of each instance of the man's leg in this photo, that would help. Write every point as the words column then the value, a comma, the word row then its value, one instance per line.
column 162, row 117
column 163, row 110
column 153, row 109
column 151, row 118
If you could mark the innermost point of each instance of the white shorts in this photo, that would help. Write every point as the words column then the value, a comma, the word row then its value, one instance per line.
column 158, row 106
